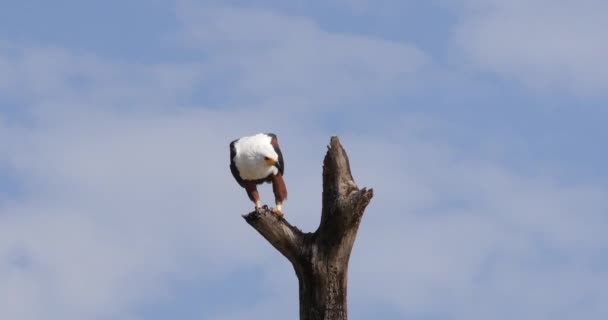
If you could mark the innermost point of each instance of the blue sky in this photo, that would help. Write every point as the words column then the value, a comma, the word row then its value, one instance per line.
column 479, row 124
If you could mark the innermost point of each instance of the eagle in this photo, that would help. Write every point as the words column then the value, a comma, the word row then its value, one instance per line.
column 257, row 159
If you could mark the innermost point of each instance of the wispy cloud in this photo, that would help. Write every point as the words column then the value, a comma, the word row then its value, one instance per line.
column 545, row 44
column 54, row 75
column 470, row 239
column 273, row 56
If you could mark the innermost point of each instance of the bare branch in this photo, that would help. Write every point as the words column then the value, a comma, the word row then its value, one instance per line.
column 282, row 235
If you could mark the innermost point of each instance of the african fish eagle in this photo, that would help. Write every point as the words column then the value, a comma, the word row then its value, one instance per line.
column 257, row 159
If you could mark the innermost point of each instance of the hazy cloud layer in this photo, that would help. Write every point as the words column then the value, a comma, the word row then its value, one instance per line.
column 549, row 45
column 279, row 57
column 121, row 188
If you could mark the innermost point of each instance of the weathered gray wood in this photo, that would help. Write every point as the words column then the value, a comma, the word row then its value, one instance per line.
column 320, row 259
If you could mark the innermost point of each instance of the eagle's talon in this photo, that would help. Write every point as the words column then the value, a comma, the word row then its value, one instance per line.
column 277, row 212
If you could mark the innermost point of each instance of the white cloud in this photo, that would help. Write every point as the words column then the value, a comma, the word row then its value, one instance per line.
column 53, row 76
column 291, row 58
column 461, row 238
column 549, row 45
column 119, row 198
column 115, row 208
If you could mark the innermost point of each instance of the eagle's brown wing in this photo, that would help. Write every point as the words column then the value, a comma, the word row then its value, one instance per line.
column 275, row 144
column 233, row 168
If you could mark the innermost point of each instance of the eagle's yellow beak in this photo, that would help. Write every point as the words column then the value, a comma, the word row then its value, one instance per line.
column 270, row 161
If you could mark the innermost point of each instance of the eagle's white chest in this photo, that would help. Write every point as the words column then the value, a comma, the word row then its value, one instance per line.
column 249, row 159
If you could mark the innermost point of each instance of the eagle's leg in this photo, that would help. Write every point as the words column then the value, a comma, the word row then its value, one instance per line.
column 252, row 192
column 280, row 193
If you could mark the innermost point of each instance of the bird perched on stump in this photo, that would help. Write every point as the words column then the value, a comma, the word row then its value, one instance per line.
column 257, row 159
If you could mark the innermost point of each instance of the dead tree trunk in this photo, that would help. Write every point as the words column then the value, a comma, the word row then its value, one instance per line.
column 320, row 259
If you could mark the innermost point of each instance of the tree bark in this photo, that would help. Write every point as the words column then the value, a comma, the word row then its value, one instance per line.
column 320, row 259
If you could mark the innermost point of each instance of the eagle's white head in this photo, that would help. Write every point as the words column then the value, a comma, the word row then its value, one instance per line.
column 256, row 157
